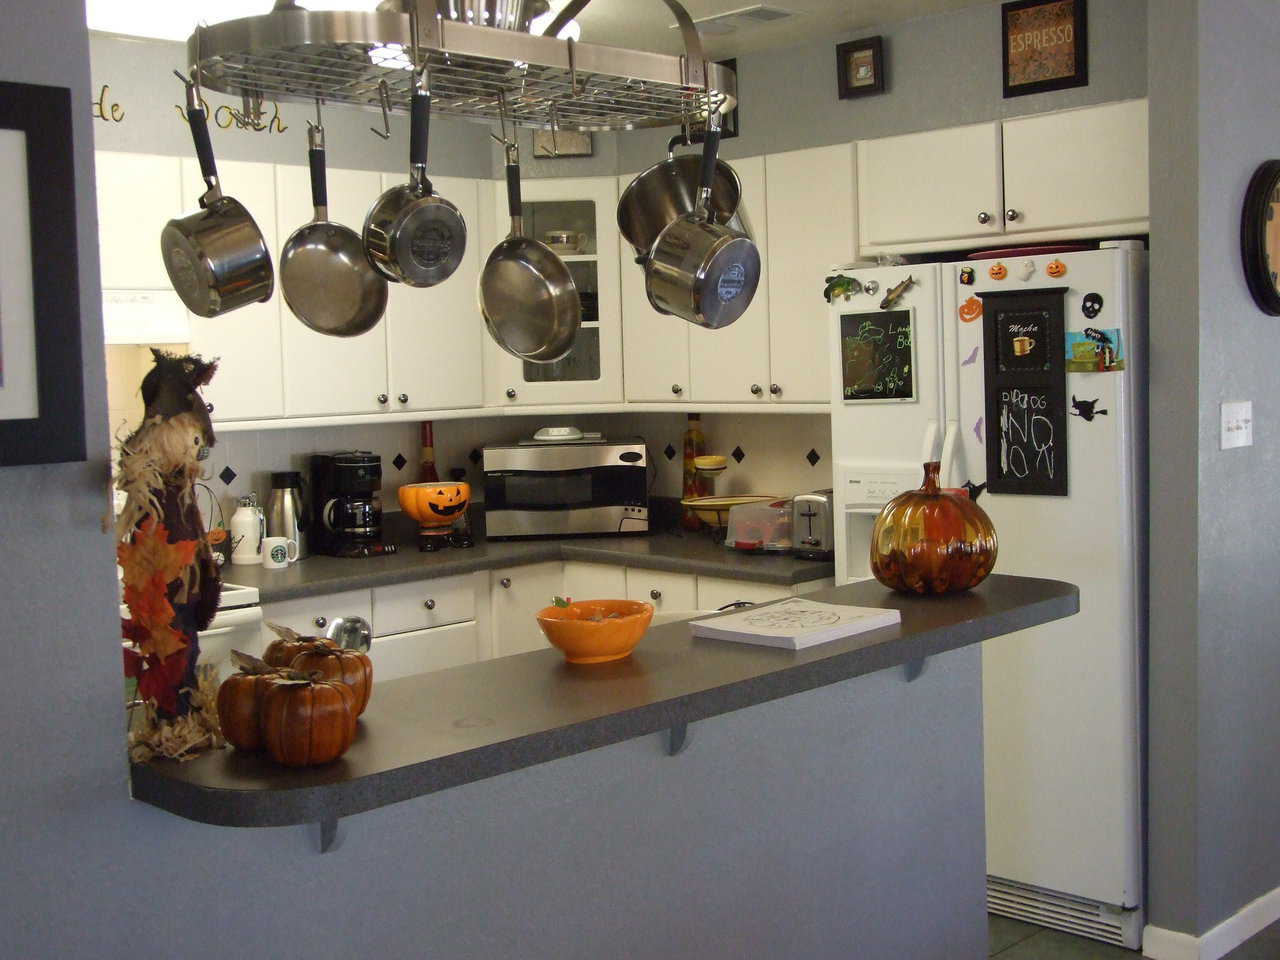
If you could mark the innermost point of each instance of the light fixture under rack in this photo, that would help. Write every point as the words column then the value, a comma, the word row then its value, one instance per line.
column 343, row 56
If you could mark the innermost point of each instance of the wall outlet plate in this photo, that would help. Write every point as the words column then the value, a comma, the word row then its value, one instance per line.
column 1237, row 424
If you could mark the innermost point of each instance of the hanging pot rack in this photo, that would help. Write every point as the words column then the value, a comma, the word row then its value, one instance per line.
column 360, row 59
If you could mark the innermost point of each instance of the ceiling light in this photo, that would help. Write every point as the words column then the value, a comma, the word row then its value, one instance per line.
column 390, row 55
column 570, row 31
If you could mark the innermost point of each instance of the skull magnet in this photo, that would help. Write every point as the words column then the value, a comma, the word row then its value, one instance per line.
column 1092, row 305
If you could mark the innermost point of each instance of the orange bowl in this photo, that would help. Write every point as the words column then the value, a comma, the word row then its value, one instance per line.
column 434, row 504
column 596, row 631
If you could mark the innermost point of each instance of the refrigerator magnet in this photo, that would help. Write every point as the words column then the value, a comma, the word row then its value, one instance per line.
column 1027, row 270
column 1091, row 306
column 1094, row 351
column 966, row 276
column 1056, row 269
column 971, row 310
column 1086, row 410
column 998, row 271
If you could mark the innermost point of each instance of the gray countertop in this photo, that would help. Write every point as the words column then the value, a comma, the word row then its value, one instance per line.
column 673, row 552
column 437, row 730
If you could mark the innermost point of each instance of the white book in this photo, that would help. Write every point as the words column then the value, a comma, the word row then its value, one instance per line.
column 795, row 623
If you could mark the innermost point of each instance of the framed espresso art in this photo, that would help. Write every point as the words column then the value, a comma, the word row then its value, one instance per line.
column 860, row 67
column 1046, row 46
column 41, row 389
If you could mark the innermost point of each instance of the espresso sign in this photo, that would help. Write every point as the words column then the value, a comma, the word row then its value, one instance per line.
column 1045, row 46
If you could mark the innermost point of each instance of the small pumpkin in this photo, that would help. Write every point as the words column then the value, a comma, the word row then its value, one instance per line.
column 998, row 271
column 971, row 309
column 307, row 721
column 288, row 644
column 351, row 667
column 240, row 699
column 1056, row 268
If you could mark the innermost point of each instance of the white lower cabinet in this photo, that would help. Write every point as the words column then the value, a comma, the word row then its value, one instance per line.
column 667, row 592
column 421, row 651
column 715, row 592
column 516, row 595
column 311, row 616
column 594, row 581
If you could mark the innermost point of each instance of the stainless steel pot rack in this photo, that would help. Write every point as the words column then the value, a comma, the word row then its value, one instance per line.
column 343, row 57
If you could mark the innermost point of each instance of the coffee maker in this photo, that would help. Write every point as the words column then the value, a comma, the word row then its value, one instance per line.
column 346, row 503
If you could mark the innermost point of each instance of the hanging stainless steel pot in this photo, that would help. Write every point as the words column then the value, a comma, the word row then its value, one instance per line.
column 527, row 294
column 216, row 258
column 700, row 270
column 325, row 277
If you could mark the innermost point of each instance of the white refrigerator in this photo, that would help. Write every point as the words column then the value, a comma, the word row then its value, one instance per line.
column 1023, row 375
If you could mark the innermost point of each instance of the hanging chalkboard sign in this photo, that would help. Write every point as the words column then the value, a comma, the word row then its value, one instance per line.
column 877, row 356
column 1025, row 385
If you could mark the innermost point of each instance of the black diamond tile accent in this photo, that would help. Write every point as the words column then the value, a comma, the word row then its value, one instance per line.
column 475, row 456
column 399, row 461
column 813, row 457
column 227, row 475
column 670, row 452
column 739, row 454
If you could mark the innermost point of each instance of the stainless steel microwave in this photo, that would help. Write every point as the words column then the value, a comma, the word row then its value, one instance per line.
column 561, row 489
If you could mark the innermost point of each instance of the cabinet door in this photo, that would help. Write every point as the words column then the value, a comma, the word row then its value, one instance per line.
column 311, row 616
column 715, row 592
column 1078, row 168
column 517, row 594
column 404, row 607
column 408, row 654
column 137, row 195
column 248, row 385
column 731, row 365
column 655, row 346
column 435, row 334
column 668, row 592
column 930, row 186
column 811, row 227
column 326, row 375
column 592, row 371
column 594, row 581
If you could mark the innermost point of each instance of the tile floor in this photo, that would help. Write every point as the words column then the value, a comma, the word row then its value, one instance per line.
column 1015, row 940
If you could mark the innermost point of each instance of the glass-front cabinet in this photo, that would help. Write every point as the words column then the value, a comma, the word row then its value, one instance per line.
column 576, row 218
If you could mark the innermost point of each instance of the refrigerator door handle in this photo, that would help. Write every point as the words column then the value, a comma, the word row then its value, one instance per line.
column 950, row 436
column 929, row 451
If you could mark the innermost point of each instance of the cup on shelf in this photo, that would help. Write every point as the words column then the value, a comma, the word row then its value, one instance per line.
column 565, row 241
column 278, row 552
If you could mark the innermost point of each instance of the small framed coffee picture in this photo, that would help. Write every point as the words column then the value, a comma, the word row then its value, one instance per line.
column 1045, row 45
column 860, row 67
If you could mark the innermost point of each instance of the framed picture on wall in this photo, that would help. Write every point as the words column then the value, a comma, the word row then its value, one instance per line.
column 41, row 389
column 860, row 67
column 1045, row 45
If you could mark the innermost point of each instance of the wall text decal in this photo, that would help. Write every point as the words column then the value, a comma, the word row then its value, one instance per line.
column 103, row 109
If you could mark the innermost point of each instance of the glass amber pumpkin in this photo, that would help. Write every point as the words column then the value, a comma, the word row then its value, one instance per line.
column 929, row 541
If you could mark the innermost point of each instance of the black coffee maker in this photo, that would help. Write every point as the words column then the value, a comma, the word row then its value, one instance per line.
column 346, row 505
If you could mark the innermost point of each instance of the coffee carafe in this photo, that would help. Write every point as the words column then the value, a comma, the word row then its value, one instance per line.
column 286, row 515
column 346, row 503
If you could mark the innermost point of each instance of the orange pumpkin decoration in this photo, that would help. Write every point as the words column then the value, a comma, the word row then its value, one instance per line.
column 434, row 504
column 240, row 699
column 344, row 666
column 288, row 644
column 998, row 271
column 306, row 722
column 1056, row 268
column 971, row 309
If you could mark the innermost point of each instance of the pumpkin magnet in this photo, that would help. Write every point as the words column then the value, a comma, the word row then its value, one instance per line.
column 998, row 271
column 1056, row 268
column 971, row 309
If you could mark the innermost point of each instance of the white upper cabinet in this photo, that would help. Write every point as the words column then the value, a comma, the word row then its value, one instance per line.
column 326, row 375
column 935, row 185
column 811, row 227
column 435, row 334
column 592, row 371
column 248, row 384
column 731, row 365
column 1078, row 168
column 137, row 195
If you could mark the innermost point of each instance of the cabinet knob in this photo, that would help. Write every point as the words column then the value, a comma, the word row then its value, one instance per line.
column 511, row 393
column 677, row 389
column 984, row 217
column 1011, row 214
column 505, row 583
column 655, row 594
column 209, row 407
column 321, row 622
column 775, row 389
column 430, row 604
column 403, row 398
column 756, row 389
column 382, row 398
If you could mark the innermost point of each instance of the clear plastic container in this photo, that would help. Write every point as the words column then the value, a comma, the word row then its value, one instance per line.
column 763, row 527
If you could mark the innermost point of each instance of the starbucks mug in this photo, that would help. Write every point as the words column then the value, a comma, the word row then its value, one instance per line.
column 278, row 552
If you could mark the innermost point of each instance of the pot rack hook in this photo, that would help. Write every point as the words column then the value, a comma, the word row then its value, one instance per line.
column 384, row 100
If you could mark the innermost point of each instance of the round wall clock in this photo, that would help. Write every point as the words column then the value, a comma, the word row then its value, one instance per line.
column 1260, row 237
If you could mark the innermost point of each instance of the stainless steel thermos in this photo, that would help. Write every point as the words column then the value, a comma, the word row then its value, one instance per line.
column 286, row 515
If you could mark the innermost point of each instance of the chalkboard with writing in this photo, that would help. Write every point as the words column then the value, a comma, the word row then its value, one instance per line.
column 877, row 355
column 1026, row 386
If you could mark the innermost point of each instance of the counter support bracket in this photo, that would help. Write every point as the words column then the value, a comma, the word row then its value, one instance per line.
column 676, row 738
column 328, row 833
column 914, row 668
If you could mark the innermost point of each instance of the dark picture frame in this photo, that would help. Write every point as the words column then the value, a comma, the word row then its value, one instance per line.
column 1260, row 237
column 1037, row 57
column 57, row 433
column 851, row 59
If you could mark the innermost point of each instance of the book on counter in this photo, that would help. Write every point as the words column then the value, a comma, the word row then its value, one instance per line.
column 795, row 623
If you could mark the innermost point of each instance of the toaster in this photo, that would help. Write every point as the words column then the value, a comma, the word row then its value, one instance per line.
column 813, row 534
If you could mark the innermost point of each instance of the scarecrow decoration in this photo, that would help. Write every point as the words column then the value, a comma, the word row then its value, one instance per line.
column 171, row 582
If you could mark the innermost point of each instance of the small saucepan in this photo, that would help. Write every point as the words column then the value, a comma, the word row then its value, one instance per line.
column 216, row 258
column 700, row 270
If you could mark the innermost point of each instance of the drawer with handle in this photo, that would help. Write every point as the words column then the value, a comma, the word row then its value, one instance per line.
column 311, row 616
column 421, row 651
column 424, row 603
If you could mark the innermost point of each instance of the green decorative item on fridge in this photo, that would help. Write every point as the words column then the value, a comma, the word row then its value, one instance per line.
column 932, row 540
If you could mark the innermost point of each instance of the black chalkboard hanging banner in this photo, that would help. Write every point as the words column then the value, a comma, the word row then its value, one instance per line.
column 877, row 356
column 1025, row 387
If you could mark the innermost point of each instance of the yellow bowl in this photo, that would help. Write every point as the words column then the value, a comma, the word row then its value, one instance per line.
column 434, row 504
column 714, row 511
column 582, row 639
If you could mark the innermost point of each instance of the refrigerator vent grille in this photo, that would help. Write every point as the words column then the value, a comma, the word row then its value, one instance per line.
column 1084, row 918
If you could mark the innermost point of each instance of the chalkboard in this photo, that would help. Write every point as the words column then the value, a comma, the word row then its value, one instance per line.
column 1025, row 385
column 877, row 355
